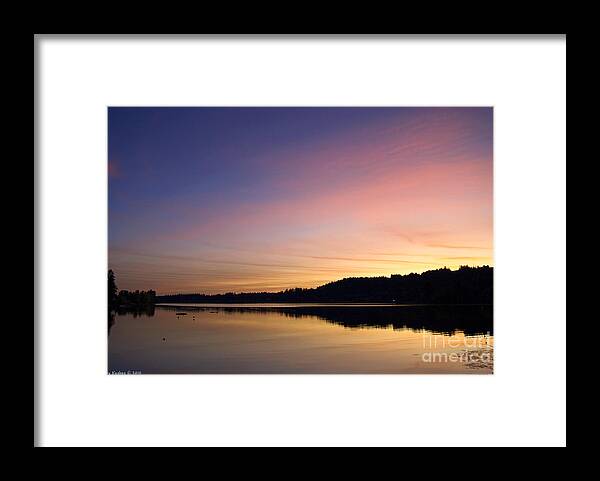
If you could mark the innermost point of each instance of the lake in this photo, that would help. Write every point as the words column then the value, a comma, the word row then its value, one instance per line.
column 302, row 339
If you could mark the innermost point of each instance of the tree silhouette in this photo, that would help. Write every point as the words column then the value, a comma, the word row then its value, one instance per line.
column 128, row 300
column 112, row 290
column 467, row 285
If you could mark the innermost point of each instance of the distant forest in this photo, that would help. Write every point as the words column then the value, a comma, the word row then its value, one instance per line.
column 128, row 300
column 467, row 285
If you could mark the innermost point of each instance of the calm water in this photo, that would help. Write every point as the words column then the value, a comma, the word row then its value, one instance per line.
column 307, row 338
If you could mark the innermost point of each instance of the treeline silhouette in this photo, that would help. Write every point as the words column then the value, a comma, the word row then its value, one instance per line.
column 128, row 300
column 467, row 285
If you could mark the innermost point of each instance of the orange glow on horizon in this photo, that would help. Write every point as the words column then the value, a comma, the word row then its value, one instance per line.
column 409, row 194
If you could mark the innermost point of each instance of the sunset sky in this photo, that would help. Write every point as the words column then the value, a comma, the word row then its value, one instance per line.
column 213, row 200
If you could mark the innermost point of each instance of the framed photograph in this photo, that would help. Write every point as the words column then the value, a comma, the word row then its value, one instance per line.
column 262, row 237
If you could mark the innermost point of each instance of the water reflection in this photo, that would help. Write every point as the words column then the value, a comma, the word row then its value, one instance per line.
column 307, row 339
column 135, row 312
column 111, row 320
column 469, row 319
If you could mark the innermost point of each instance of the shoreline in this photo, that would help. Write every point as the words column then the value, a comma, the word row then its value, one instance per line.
column 313, row 304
